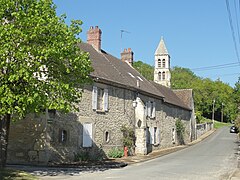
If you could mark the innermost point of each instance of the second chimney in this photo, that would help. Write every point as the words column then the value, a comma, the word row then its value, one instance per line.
column 94, row 37
column 127, row 56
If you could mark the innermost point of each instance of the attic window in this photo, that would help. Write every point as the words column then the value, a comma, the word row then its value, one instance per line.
column 139, row 78
column 131, row 75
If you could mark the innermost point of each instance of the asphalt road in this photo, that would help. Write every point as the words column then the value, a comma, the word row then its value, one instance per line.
column 213, row 158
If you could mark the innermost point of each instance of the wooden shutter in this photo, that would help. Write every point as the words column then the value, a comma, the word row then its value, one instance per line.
column 145, row 110
column 151, row 130
column 149, row 108
column 94, row 98
column 153, row 110
column 87, row 135
column 158, row 136
column 105, row 99
column 147, row 136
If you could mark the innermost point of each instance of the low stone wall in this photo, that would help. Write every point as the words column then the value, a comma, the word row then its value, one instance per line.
column 203, row 128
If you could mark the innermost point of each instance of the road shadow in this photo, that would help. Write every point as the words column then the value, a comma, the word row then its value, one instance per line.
column 69, row 170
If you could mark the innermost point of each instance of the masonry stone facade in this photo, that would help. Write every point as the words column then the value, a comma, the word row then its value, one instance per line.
column 119, row 96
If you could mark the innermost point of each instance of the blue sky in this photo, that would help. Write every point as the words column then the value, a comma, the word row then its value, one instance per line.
column 197, row 33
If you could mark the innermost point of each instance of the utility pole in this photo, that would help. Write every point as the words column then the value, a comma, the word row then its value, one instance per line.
column 222, row 113
column 213, row 111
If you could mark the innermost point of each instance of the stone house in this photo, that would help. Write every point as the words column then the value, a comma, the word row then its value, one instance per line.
column 119, row 96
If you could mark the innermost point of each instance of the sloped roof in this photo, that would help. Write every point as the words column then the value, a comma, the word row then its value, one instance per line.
column 170, row 97
column 186, row 95
column 161, row 49
column 112, row 69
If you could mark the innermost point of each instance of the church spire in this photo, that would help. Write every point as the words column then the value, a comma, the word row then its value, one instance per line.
column 161, row 49
column 162, row 73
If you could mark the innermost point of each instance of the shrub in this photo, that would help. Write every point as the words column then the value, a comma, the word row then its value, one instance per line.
column 180, row 129
column 128, row 136
column 116, row 153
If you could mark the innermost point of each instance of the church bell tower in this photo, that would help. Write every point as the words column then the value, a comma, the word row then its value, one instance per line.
column 162, row 74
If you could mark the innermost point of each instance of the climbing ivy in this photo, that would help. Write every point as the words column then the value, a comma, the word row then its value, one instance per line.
column 180, row 129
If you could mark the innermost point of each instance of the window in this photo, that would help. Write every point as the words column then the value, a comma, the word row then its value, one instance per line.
column 173, row 135
column 159, row 63
column 163, row 75
column 87, row 135
column 154, row 135
column 107, row 137
column 163, row 63
column 62, row 136
column 150, row 109
column 160, row 76
column 99, row 99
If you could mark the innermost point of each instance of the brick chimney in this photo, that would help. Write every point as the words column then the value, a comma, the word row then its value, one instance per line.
column 94, row 37
column 127, row 56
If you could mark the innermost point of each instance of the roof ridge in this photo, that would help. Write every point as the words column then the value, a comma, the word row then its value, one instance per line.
column 182, row 89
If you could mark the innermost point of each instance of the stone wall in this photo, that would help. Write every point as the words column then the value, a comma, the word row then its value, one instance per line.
column 120, row 113
column 56, row 137
column 27, row 140
column 37, row 139
column 166, row 116
column 203, row 128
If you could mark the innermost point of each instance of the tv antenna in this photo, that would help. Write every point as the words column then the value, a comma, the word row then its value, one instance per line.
column 123, row 31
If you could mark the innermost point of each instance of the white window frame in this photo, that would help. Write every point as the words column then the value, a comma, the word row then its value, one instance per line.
column 95, row 99
column 154, row 135
column 151, row 109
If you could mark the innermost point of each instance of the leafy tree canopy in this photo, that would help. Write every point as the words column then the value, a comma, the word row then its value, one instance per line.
column 41, row 65
column 206, row 91
column 145, row 69
column 237, row 93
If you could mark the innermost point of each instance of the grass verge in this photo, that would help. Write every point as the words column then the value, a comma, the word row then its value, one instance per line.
column 11, row 174
column 218, row 124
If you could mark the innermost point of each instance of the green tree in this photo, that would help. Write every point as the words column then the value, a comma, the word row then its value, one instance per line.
column 145, row 69
column 182, row 78
column 41, row 65
column 237, row 93
column 205, row 91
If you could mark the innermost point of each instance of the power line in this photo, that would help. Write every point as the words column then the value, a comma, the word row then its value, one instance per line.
column 232, row 29
column 221, row 66
column 237, row 21
column 230, row 74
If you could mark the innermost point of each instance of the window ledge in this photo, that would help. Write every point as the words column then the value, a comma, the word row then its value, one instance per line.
column 100, row 111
